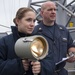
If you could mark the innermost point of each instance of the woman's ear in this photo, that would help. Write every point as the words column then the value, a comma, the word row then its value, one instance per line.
column 17, row 22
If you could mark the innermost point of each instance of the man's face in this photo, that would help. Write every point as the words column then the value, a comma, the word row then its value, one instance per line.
column 49, row 13
column 27, row 23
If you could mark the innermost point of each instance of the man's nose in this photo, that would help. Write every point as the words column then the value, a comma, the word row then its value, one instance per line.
column 53, row 11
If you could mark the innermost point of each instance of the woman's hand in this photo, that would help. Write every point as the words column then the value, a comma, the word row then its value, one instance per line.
column 25, row 64
column 36, row 67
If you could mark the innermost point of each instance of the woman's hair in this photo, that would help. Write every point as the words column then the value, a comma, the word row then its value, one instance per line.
column 21, row 12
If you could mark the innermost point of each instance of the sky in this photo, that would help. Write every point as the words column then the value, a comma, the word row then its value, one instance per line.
column 8, row 10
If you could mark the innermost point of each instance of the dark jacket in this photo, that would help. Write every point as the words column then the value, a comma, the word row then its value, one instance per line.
column 11, row 64
column 59, row 40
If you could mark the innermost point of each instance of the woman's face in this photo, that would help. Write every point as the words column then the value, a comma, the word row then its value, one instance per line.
column 27, row 23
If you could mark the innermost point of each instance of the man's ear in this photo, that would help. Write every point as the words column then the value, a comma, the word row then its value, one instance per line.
column 41, row 13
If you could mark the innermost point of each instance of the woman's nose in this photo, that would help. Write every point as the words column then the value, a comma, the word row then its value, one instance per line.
column 32, row 23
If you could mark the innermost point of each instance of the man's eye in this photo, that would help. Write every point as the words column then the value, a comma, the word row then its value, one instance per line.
column 55, row 9
column 49, row 9
column 52, row 9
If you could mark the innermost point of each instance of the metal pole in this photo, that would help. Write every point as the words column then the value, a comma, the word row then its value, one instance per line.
column 29, row 3
column 70, row 28
column 65, row 8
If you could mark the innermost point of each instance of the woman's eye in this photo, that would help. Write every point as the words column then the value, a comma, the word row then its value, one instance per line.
column 29, row 19
column 34, row 20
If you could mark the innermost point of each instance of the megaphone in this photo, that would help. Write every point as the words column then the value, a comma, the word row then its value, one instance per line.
column 32, row 47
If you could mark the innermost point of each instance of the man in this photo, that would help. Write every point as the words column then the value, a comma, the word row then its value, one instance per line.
column 58, row 37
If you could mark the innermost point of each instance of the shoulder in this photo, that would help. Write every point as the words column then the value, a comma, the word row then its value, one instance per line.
column 62, row 27
column 6, row 38
column 37, row 28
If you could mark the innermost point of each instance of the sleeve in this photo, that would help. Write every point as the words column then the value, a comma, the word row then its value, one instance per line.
column 70, row 41
column 48, row 65
column 9, row 66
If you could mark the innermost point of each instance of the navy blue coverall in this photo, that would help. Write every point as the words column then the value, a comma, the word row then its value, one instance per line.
column 10, row 64
column 59, row 40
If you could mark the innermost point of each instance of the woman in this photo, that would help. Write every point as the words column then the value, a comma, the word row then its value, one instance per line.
column 10, row 64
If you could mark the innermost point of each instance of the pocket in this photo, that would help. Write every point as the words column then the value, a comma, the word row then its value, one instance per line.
column 64, row 47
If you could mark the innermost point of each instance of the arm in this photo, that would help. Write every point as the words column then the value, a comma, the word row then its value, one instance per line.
column 47, row 65
column 71, row 47
column 72, row 59
column 9, row 63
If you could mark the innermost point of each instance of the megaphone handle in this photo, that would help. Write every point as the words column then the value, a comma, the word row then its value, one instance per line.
column 35, row 74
